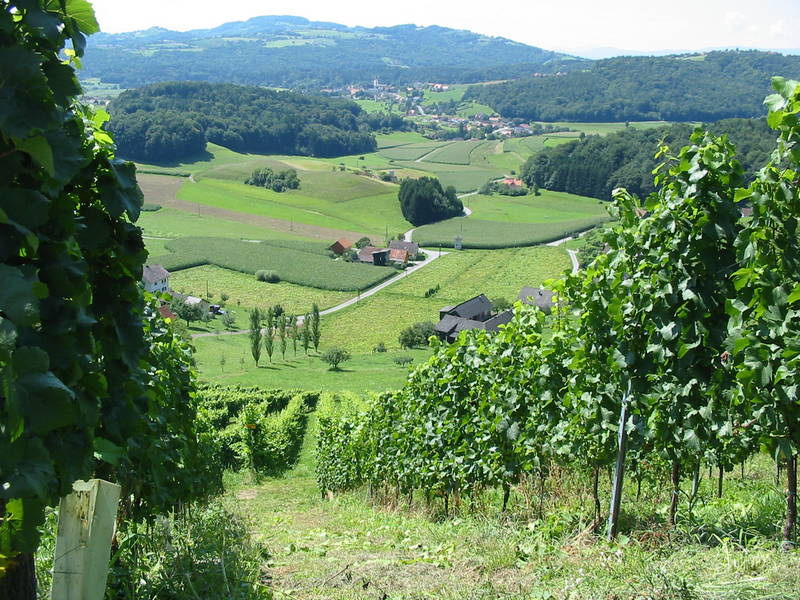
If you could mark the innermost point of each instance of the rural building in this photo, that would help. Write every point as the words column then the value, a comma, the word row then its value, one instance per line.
column 411, row 247
column 475, row 313
column 399, row 256
column 340, row 246
column 155, row 278
column 513, row 182
column 539, row 297
column 376, row 256
column 167, row 313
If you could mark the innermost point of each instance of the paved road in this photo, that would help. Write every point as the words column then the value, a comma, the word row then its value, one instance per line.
column 573, row 254
column 430, row 256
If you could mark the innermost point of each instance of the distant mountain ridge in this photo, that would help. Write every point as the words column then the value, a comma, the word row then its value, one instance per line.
column 289, row 51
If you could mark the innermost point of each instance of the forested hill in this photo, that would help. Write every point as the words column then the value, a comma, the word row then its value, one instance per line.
column 173, row 121
column 595, row 165
column 708, row 87
column 296, row 53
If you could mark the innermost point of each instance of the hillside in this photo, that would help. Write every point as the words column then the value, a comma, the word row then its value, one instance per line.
column 294, row 52
column 702, row 87
column 173, row 121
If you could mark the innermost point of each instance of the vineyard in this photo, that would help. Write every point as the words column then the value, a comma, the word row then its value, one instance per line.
column 675, row 352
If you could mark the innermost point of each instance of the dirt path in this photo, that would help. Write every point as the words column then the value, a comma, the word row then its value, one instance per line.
column 163, row 190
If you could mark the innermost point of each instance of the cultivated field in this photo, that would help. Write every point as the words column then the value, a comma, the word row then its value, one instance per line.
column 477, row 233
column 292, row 265
column 548, row 207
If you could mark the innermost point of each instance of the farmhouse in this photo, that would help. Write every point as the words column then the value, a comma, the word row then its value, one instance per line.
column 513, row 182
column 475, row 313
column 373, row 255
column 411, row 247
column 340, row 246
column 399, row 256
column 155, row 278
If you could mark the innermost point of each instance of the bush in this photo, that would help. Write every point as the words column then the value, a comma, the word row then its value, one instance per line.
column 403, row 360
column 228, row 320
column 275, row 181
column 148, row 207
column 361, row 243
column 334, row 357
column 417, row 335
column 381, row 347
column 500, row 304
column 267, row 276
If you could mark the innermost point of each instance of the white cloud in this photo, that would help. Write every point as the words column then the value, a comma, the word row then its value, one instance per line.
column 734, row 18
column 778, row 27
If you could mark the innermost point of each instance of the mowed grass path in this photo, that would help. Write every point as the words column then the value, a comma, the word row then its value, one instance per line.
column 351, row 546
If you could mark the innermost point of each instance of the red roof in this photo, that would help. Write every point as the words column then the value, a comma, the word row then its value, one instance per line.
column 398, row 255
column 340, row 245
column 167, row 313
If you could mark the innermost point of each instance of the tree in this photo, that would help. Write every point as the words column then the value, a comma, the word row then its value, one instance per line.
column 283, row 326
column 255, row 334
column 269, row 334
column 362, row 242
column 306, row 333
column 295, row 333
column 424, row 201
column 187, row 312
column 416, row 335
column 334, row 357
column 228, row 320
column 315, row 327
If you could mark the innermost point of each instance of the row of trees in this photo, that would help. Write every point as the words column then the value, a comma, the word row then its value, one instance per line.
column 679, row 346
column 595, row 165
column 717, row 85
column 173, row 121
column 275, row 325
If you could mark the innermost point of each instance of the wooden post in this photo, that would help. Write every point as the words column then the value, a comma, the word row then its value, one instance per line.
column 619, row 471
column 85, row 529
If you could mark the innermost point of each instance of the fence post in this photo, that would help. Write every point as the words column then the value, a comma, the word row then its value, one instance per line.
column 619, row 471
column 86, row 523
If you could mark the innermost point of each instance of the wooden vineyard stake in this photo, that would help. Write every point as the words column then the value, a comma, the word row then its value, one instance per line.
column 85, row 529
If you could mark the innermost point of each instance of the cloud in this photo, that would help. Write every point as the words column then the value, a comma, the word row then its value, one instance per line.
column 778, row 27
column 734, row 18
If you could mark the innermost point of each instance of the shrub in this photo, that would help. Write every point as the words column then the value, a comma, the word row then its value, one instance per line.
column 403, row 360
column 148, row 207
column 381, row 347
column 267, row 276
column 334, row 357
column 228, row 320
column 416, row 335
column 224, row 297
column 361, row 243
column 500, row 304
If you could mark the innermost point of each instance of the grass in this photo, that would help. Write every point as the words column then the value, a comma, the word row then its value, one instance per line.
column 352, row 546
column 293, row 265
column 456, row 153
column 412, row 151
column 246, row 292
column 365, row 371
column 548, row 207
column 398, row 138
column 371, row 214
column 172, row 223
column 477, row 233
column 460, row 275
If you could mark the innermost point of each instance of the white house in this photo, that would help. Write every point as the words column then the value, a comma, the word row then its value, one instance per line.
column 155, row 278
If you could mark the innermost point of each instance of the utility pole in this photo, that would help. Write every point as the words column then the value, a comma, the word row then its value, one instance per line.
column 619, row 470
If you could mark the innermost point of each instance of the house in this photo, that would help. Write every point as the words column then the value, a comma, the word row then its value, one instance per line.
column 411, row 247
column 340, row 246
column 399, row 256
column 475, row 313
column 155, row 278
column 167, row 313
column 376, row 256
column 513, row 182
column 539, row 297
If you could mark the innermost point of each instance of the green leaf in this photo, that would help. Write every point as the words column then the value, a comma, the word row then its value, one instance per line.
column 18, row 298
column 82, row 13
column 39, row 149
column 107, row 451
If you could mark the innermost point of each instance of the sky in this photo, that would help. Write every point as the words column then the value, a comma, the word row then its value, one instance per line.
column 572, row 26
